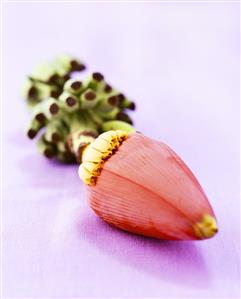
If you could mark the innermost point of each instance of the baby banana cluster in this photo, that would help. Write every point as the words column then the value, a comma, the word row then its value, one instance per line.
column 69, row 113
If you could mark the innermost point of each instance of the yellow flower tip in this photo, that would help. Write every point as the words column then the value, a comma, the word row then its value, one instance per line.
column 206, row 228
column 97, row 152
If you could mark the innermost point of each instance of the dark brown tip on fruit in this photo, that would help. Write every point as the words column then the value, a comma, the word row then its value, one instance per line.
column 40, row 117
column 124, row 117
column 68, row 157
column 132, row 106
column 31, row 133
column 54, row 94
column 33, row 92
column 113, row 101
column 55, row 138
column 98, row 77
column 108, row 88
column 90, row 96
column 53, row 79
column 68, row 143
column 54, row 108
column 120, row 97
column 48, row 153
column 76, row 85
column 81, row 67
column 76, row 66
column 71, row 101
column 66, row 77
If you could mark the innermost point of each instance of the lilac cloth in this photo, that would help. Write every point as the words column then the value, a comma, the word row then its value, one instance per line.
column 180, row 62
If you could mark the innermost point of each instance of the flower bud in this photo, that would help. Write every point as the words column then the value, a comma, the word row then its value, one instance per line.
column 142, row 186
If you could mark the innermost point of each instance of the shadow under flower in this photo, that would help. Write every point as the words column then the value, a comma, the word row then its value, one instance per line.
column 175, row 261
column 42, row 172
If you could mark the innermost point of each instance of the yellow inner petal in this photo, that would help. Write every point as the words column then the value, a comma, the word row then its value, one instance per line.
column 96, row 153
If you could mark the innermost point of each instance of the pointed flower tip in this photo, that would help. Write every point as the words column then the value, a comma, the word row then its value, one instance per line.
column 97, row 153
column 206, row 228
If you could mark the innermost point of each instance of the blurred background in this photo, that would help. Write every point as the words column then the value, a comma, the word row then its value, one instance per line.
column 180, row 63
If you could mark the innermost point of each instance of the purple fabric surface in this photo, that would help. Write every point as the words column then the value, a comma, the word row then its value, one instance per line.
column 180, row 62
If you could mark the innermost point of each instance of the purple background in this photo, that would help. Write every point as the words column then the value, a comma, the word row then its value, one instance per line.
column 180, row 63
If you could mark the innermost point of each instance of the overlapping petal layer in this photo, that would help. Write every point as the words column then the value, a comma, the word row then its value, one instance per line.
column 145, row 188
